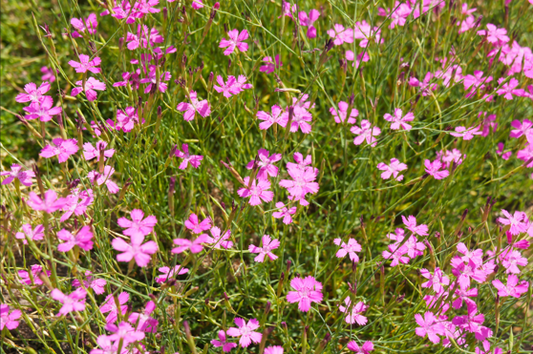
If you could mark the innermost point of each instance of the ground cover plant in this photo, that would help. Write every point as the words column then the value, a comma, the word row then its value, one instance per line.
column 266, row 176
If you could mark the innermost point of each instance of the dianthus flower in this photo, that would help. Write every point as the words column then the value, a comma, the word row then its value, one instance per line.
column 340, row 35
column 142, row 320
column 275, row 349
column 399, row 120
column 218, row 240
column 36, row 271
column 513, row 288
column 144, row 38
column 302, row 183
column 308, row 21
column 448, row 156
column 145, row 7
column 398, row 15
column 365, row 132
column 196, row 106
column 42, row 109
column 85, row 64
column 126, row 119
column 429, row 325
column 76, row 203
column 392, row 170
column 135, row 250
column 366, row 32
column 351, row 248
column 90, row 86
column 96, row 284
column 110, row 305
column 397, row 255
column 75, row 301
column 463, row 295
column 63, row 149
column 307, row 291
column 101, row 178
column 424, row 86
column 194, row 160
column 236, row 40
column 193, row 246
column 494, row 34
column 434, row 169
column 437, row 280
column 124, row 332
column 32, row 93
column 83, row 239
column 521, row 128
column 366, row 348
column 153, row 81
column 195, row 226
column 49, row 204
column 353, row 314
column 465, row 272
column 246, row 331
column 9, row 319
column 226, row 346
column 170, row 273
column 486, row 347
column 90, row 152
column 470, row 322
column 268, row 245
column 511, row 259
column 48, row 74
column 509, row 89
column 284, row 213
column 16, row 172
column 277, row 117
column 257, row 191
column 270, row 65
column 107, row 346
column 411, row 224
column 517, row 222
column 81, row 25
column 138, row 225
column 265, row 164
column 340, row 114
column 233, row 86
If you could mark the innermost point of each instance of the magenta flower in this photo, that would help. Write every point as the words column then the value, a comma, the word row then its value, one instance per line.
column 195, row 226
column 101, row 178
column 397, row 255
column 270, row 65
column 9, row 319
column 472, row 321
column 194, row 160
column 232, row 86
column 340, row 114
column 494, row 34
column 110, row 305
column 235, row 40
column 351, row 248
column 467, row 24
column 257, row 191
column 81, row 26
column 366, row 348
column 62, row 149
column 509, row 89
column 511, row 259
column 169, row 273
column 90, row 152
column 145, row 7
column 42, row 109
column 137, row 226
column 392, row 170
column 476, row 256
column 197, row 5
column 24, row 177
column 366, row 132
column 135, row 250
column 398, row 121
column 144, row 38
column 194, row 246
column 437, row 280
column 448, row 156
column 277, row 117
column 124, row 333
column 410, row 223
column 126, row 119
column 265, row 164
column 268, row 245
column 424, row 86
column 132, row 79
column 466, row 272
column 33, row 94
column 246, row 332
column 366, row 32
column 513, row 288
column 463, row 295
column 49, row 204
column 90, row 86
column 287, row 9
column 340, row 35
column 48, row 74
column 75, row 301
column 153, row 81
column 86, row 65
column 307, row 291
column 219, row 241
column 96, row 284
column 434, row 169
column 196, row 106
column 143, row 321
column 398, row 16
column 302, row 182
column 300, row 120
column 353, row 314
column 226, row 346
column 274, row 349
column 308, row 21
column 486, row 344
column 526, row 154
column 521, row 128
column 77, row 203
column 36, row 271
column 429, row 325
column 363, row 56
column 475, row 82
column 517, row 222
column 83, row 239
column 284, row 213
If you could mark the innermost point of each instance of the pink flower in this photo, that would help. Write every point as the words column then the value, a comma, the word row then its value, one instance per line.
column 33, row 93
column 220, row 241
column 265, row 164
column 143, row 321
column 300, row 119
column 232, row 86
column 511, row 259
column 351, row 248
column 429, row 325
column 398, row 16
column 146, row 7
column 513, row 288
column 448, row 156
column 226, row 347
column 194, row 160
column 463, row 295
column 467, row 24
column 434, row 169
column 196, row 106
column 123, row 10
column 246, row 332
column 341, row 35
column 308, row 21
column 392, row 170
column 475, row 256
column 268, row 245
column 475, row 82
column 110, row 305
column 9, row 319
column 131, row 79
column 274, row 349
column 526, row 154
column 508, row 89
column 86, row 65
column 366, row 348
column 144, row 38
column 353, row 314
column 197, row 4
column 494, row 34
column 196, row 227
column 83, row 239
column 302, row 183
column 49, row 204
column 101, row 178
column 88, row 25
column 36, row 271
column 472, row 321
column 90, row 86
column 124, row 333
column 169, row 273
column 363, row 56
column 153, row 81
column 396, row 254
column 277, row 116
column 437, row 280
column 517, row 221
column 136, row 250
column 235, row 40
column 42, row 109
column 486, row 344
column 77, row 203
column 521, row 128
column 36, row 234
column 465, row 272
column 137, row 226
column 24, row 177
column 425, row 86
column 96, row 284
column 340, row 114
column 366, row 132
column 365, row 32
column 194, row 246
column 287, row 9
column 410, row 223
column 90, row 152
column 48, row 74
column 75, row 301
column 62, row 149
column 257, row 191
column 126, row 120
column 307, row 291
column 270, row 65
column 301, row 163
column 398, row 121
column 284, row 213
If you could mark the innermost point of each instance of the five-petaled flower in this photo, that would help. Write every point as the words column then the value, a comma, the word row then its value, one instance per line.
column 268, row 245
column 236, row 40
column 306, row 291
column 246, row 331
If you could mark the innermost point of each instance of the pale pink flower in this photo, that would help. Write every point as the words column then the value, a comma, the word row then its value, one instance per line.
column 308, row 21
column 365, row 132
column 437, row 280
column 268, row 245
column 48, row 74
column 142, row 320
column 307, row 291
column 448, row 156
column 135, row 250
column 411, row 224
column 517, row 221
column 434, row 169
column 195, row 246
column 275, row 349
column 475, row 82
column 226, row 346
column 63, row 149
column 300, row 119
column 236, row 40
column 467, row 24
column 284, row 213
column 521, row 128
column 196, row 106
column 277, row 117
column 195, row 226
column 220, row 241
column 340, row 114
column 366, row 348
column 257, row 191
column 399, row 120
column 110, row 305
column 341, row 35
column 509, row 89
column 246, row 332
column 96, row 284
column 36, row 234
column 16, row 172
column 49, row 204
column 366, row 32
column 32, row 93
column 75, row 301
column 36, row 271
column 494, row 34
column 396, row 254
column 9, row 319
column 170, row 273
column 104, row 178
column 82, row 239
column 399, row 14
column 513, row 288
column 353, row 314
column 302, row 183
column 265, row 164
column 429, row 325
column 351, row 248
column 77, row 203
column 86, row 64
column 511, row 259
column 392, row 170
column 91, row 86
column 90, row 152
column 138, row 225
column 81, row 25
column 42, row 109
column 270, row 65
column 363, row 56
column 124, row 333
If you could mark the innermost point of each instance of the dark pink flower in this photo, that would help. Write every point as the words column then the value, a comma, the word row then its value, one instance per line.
column 306, row 291
column 257, row 191
column 494, row 34
column 63, row 149
column 195, row 246
column 194, row 160
column 153, row 81
column 143, row 321
column 138, row 225
column 268, row 245
column 96, row 284
column 434, row 169
column 42, row 109
column 392, row 170
column 77, row 203
column 517, row 222
column 246, row 332
column 265, row 164
column 226, row 346
column 75, row 301
column 429, row 325
column 124, row 333
column 340, row 114
column 83, row 239
column 196, row 106
column 521, row 128
column 135, row 250
column 351, row 248
column 195, row 226
column 353, row 313
column 437, row 280
column 277, row 117
column 236, row 40
column 513, row 288
column 91, row 86
column 366, row 348
column 81, row 25
column 86, row 65
column 509, row 89
column 308, row 21
column 270, row 65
